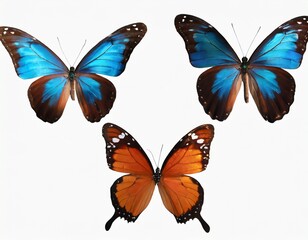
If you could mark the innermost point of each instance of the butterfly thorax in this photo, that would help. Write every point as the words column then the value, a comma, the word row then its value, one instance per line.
column 71, row 74
column 244, row 65
column 156, row 175
column 71, row 78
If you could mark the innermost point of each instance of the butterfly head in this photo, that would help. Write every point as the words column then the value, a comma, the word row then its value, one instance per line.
column 156, row 175
column 244, row 64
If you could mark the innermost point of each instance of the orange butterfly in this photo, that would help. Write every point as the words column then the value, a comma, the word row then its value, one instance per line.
column 182, row 195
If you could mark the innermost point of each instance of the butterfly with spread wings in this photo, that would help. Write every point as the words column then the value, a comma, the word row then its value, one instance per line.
column 182, row 195
column 271, row 87
column 48, row 95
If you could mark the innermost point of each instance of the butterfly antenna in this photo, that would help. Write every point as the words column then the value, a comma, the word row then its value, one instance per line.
column 85, row 41
column 152, row 157
column 253, row 40
column 161, row 149
column 63, row 52
column 237, row 39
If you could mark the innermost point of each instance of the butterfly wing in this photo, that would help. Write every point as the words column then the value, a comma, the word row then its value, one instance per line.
column 183, row 195
column 206, row 47
column 284, row 47
column 272, row 90
column 217, row 90
column 48, row 96
column 109, row 56
column 95, row 95
column 217, row 87
column 31, row 58
column 131, row 193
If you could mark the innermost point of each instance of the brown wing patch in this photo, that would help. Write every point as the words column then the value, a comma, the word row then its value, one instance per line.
column 47, row 104
column 96, row 109
column 213, row 104
column 130, row 195
column 273, row 108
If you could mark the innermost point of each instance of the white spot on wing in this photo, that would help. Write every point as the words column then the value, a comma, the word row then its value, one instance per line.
column 122, row 135
column 194, row 136
column 200, row 141
column 115, row 140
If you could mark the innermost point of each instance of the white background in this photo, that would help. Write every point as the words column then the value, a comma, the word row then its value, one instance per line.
column 54, row 179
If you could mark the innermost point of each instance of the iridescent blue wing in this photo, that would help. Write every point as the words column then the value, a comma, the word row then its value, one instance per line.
column 273, row 91
column 284, row 47
column 48, row 96
column 206, row 47
column 217, row 90
column 109, row 56
column 31, row 58
column 95, row 95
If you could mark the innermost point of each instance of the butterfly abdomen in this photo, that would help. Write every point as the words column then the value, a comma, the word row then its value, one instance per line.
column 244, row 68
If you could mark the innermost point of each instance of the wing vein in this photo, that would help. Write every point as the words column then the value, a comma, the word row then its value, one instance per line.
column 136, row 160
column 273, row 47
column 45, row 58
column 94, row 59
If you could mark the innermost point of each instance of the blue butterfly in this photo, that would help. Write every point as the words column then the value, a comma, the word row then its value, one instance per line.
column 271, row 87
column 48, row 95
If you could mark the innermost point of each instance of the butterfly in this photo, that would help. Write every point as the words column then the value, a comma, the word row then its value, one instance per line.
column 182, row 195
column 48, row 95
column 271, row 87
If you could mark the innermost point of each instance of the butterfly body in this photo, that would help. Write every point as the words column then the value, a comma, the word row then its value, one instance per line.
column 157, row 175
column 48, row 95
column 181, row 195
column 71, row 74
column 271, row 87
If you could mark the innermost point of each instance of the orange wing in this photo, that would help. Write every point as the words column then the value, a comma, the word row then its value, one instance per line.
column 124, row 153
column 183, row 195
column 130, row 194
column 191, row 153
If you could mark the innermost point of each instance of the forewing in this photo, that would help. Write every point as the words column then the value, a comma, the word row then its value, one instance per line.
column 273, row 91
column 183, row 197
column 109, row 56
column 95, row 96
column 48, row 96
column 31, row 58
column 190, row 154
column 130, row 195
column 124, row 153
column 285, row 46
column 206, row 47
column 217, row 90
